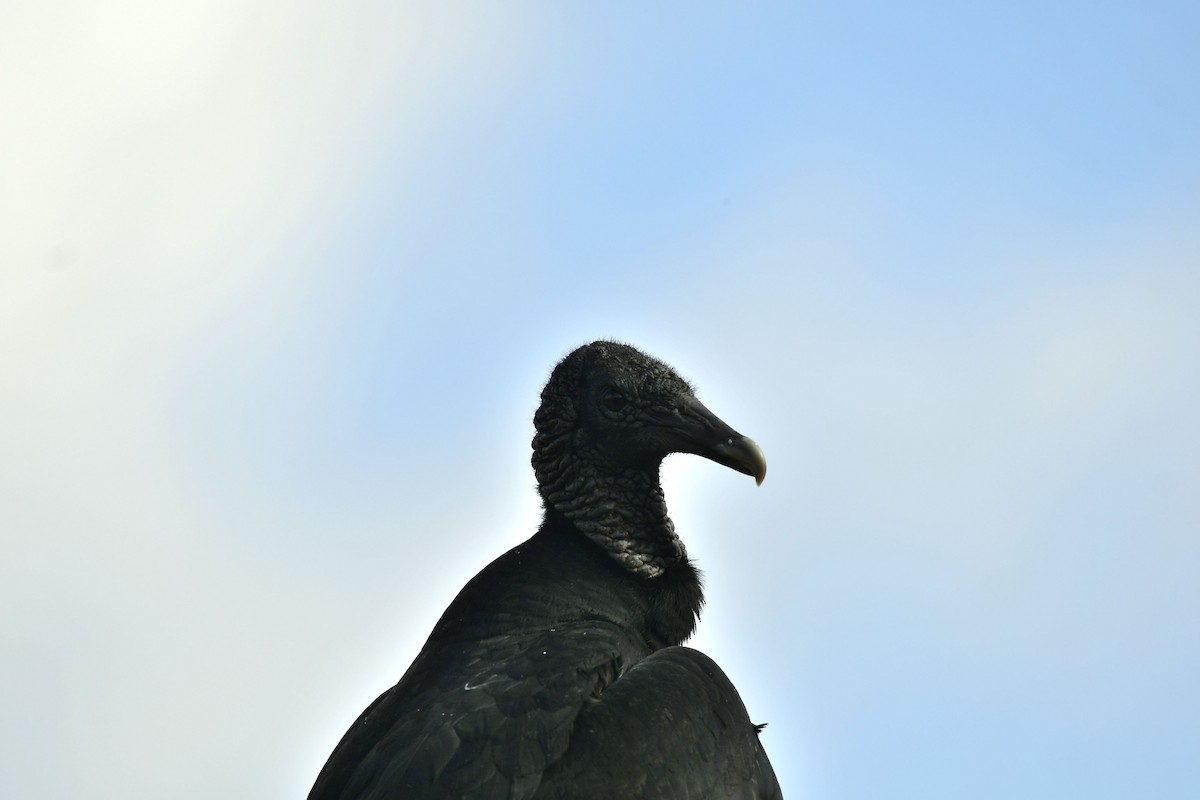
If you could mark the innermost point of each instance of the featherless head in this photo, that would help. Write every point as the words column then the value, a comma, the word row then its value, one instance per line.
column 609, row 415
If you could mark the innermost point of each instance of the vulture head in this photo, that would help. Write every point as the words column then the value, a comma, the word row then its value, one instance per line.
column 609, row 415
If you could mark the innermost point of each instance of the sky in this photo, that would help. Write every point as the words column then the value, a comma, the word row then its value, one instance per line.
column 280, row 284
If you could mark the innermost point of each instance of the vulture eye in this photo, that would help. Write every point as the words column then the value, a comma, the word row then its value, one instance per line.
column 613, row 400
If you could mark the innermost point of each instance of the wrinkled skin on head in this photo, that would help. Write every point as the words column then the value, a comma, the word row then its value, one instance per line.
column 609, row 415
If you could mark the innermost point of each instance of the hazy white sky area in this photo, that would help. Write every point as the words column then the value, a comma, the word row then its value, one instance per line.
column 280, row 284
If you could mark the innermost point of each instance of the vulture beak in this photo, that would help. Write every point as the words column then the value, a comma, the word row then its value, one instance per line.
column 698, row 431
column 743, row 454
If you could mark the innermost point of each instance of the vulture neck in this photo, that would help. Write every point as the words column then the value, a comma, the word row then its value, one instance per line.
column 624, row 512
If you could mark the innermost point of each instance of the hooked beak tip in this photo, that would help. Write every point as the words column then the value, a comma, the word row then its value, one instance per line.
column 744, row 455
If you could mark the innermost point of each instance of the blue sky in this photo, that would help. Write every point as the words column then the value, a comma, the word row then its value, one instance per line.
column 280, row 284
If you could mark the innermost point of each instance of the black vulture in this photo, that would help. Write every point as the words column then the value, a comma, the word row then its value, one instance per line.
column 558, row 670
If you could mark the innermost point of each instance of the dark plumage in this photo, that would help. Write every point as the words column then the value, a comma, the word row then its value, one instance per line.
column 557, row 672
